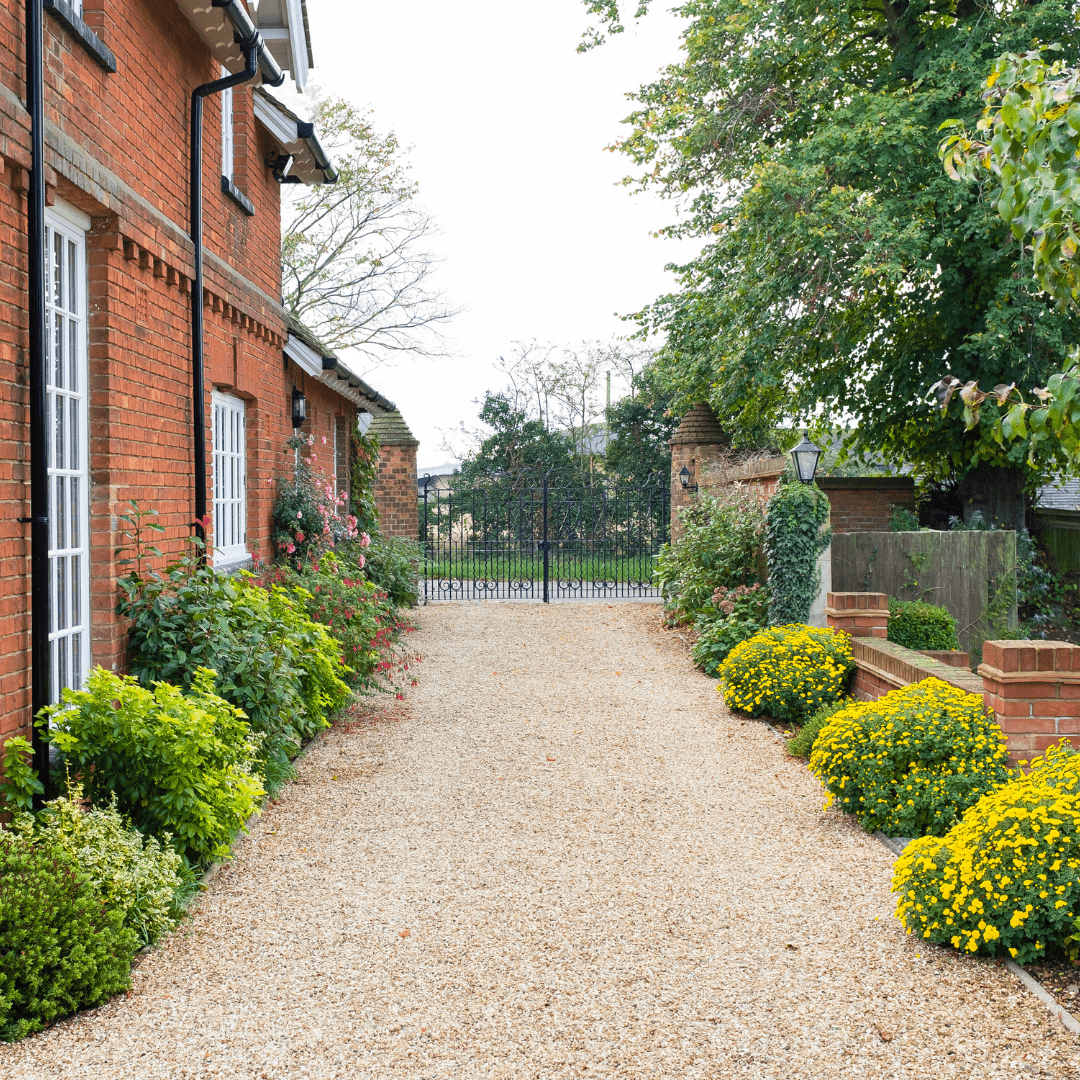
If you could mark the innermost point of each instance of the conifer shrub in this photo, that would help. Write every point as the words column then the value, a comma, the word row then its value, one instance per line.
column 1005, row 879
column 787, row 672
column 910, row 763
column 61, row 947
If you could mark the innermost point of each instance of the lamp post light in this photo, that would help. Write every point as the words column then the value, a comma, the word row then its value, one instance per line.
column 805, row 456
column 299, row 409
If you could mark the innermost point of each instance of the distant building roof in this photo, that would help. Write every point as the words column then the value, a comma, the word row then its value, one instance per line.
column 391, row 430
column 1064, row 496
column 700, row 427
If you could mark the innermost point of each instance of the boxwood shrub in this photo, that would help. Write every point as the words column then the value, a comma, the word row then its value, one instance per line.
column 61, row 948
column 916, row 625
column 1005, row 879
column 910, row 763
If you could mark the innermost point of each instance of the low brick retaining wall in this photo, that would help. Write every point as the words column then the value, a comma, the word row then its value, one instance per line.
column 1032, row 687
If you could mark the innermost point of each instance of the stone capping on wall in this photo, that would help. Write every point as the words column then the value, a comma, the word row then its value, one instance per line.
column 899, row 666
column 860, row 614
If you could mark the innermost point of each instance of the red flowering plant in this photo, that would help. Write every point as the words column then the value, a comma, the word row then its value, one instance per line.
column 309, row 516
column 360, row 616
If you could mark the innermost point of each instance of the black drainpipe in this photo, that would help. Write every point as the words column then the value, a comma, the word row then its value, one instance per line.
column 41, row 607
column 257, row 57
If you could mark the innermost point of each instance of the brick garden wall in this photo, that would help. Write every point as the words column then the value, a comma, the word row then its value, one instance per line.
column 395, row 491
column 865, row 503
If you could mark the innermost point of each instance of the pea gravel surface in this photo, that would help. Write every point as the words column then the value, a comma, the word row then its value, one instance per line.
column 562, row 858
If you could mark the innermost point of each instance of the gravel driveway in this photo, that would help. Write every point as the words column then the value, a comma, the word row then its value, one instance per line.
column 566, row 859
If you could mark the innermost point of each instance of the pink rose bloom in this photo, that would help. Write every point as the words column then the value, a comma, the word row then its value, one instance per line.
column 291, row 548
column 365, row 540
column 361, row 562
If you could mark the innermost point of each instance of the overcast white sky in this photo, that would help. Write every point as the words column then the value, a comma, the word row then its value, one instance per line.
column 508, row 126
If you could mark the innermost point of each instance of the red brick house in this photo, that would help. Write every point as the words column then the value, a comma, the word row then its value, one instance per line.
column 98, row 376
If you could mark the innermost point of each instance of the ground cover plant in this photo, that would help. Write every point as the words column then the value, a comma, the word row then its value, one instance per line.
column 720, row 546
column 61, row 949
column 731, row 616
column 787, row 672
column 917, row 625
column 177, row 764
column 911, row 763
column 1005, row 879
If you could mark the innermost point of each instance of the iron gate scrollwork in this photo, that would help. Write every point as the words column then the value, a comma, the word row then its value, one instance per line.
column 535, row 540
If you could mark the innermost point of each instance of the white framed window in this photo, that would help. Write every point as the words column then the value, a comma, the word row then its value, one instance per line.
column 68, row 457
column 227, row 156
column 76, row 6
column 230, row 480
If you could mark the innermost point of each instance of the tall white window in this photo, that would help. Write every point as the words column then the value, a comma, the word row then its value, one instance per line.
column 68, row 461
column 226, row 130
column 230, row 478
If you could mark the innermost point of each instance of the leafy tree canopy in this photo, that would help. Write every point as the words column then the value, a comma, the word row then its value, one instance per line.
column 639, row 428
column 844, row 271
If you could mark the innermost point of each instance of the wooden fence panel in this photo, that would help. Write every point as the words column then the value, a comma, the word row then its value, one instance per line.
column 970, row 574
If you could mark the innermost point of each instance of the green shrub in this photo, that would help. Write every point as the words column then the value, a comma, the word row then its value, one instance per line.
column 392, row 565
column 272, row 661
column 794, row 538
column 720, row 546
column 61, row 949
column 803, row 742
column 916, row 625
column 1005, row 879
column 20, row 782
column 787, row 672
column 137, row 876
column 733, row 615
column 364, row 473
column 178, row 764
column 910, row 763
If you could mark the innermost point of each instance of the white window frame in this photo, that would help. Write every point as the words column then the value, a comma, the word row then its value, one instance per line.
column 228, row 155
column 341, row 483
column 67, row 374
column 77, row 7
column 229, row 522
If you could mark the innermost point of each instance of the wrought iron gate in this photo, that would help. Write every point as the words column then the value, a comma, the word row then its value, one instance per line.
column 538, row 541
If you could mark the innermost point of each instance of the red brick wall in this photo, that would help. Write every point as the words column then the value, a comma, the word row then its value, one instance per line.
column 865, row 504
column 395, row 492
column 117, row 148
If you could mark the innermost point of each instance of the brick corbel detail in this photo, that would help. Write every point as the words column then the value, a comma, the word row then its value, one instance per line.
column 1034, row 689
column 859, row 614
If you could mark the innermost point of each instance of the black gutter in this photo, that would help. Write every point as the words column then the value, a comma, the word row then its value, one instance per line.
column 257, row 58
column 41, row 606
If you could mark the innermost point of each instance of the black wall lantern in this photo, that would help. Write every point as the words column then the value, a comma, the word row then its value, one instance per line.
column 805, row 456
column 684, row 479
column 299, row 409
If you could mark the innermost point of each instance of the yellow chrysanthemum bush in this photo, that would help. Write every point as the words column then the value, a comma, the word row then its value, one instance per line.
column 1005, row 880
column 910, row 763
column 787, row 672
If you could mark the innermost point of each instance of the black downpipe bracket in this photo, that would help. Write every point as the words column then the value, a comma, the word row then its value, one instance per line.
column 198, row 376
column 41, row 606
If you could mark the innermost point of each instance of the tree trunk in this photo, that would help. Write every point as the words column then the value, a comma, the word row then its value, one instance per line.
column 996, row 493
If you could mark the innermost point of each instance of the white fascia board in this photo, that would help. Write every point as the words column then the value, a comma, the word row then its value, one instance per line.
column 281, row 23
column 305, row 358
column 297, row 42
column 282, row 127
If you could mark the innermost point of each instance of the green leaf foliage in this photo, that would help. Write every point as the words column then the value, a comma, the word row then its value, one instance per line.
column 175, row 763
column 803, row 743
column 842, row 270
column 20, row 782
column 733, row 615
column 135, row 875
column 364, row 457
column 720, row 546
column 917, row 625
column 392, row 565
column 640, row 426
column 794, row 538
column 61, row 948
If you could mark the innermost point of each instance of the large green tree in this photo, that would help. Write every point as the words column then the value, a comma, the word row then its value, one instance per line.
column 843, row 270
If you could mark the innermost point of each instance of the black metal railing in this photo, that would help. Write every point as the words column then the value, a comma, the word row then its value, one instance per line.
column 535, row 540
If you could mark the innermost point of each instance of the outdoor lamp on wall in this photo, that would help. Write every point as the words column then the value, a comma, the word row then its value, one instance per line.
column 299, row 409
column 805, row 456
column 684, row 479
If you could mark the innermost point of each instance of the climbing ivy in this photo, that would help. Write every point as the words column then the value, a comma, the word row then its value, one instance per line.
column 794, row 538
column 365, row 471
